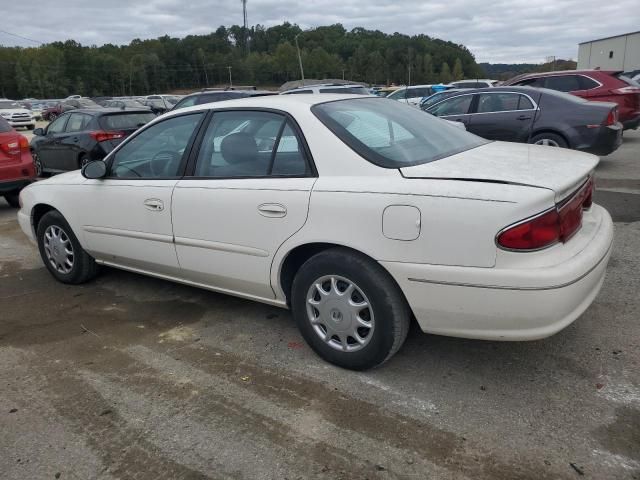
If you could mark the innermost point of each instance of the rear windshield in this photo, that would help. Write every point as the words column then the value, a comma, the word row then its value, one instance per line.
column 629, row 80
column 391, row 134
column 4, row 126
column 125, row 120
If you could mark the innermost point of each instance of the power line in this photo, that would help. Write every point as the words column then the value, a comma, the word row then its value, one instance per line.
column 20, row 36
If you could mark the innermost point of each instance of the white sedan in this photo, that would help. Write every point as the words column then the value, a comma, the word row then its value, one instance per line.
column 357, row 213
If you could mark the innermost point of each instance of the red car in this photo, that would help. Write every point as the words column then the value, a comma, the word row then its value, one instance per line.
column 16, row 164
column 596, row 85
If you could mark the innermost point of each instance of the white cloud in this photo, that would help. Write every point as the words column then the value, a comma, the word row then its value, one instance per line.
column 495, row 31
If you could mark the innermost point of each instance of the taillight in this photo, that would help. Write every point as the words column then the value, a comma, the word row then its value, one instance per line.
column 612, row 118
column 626, row 90
column 24, row 143
column 556, row 225
column 101, row 136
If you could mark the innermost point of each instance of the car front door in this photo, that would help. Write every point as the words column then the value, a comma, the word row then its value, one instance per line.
column 454, row 109
column 248, row 191
column 126, row 216
column 49, row 149
column 502, row 116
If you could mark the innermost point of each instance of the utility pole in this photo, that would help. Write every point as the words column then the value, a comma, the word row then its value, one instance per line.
column 230, row 81
column 299, row 58
column 204, row 67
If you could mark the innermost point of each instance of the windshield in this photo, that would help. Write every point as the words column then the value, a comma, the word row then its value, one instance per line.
column 125, row 120
column 392, row 135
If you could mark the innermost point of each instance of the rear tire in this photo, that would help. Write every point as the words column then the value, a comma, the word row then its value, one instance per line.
column 358, row 331
column 61, row 252
column 13, row 199
column 549, row 139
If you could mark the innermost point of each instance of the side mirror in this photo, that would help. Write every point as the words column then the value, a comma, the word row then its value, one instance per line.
column 39, row 132
column 94, row 170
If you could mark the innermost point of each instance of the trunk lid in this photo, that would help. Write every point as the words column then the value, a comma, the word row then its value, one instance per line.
column 557, row 169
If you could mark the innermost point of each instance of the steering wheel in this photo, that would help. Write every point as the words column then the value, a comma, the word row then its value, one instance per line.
column 164, row 163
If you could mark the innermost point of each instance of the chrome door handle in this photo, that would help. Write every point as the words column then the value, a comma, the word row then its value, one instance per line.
column 272, row 210
column 154, row 204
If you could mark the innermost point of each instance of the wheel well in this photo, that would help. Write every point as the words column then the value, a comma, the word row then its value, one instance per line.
column 298, row 256
column 546, row 130
column 38, row 212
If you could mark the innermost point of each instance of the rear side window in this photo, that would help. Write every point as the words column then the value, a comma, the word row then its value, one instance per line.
column 77, row 122
column 587, row 83
column 563, row 83
column 4, row 126
column 524, row 103
column 125, row 121
column 497, row 102
column 298, row 91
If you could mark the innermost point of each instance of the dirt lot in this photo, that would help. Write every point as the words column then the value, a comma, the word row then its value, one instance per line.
column 135, row 378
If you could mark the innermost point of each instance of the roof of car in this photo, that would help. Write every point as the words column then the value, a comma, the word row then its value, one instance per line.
column 561, row 72
column 107, row 110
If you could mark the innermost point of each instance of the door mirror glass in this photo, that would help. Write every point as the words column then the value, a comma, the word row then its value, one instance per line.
column 94, row 169
column 39, row 132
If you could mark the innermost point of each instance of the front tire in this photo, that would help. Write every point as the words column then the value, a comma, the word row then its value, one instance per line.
column 61, row 252
column 349, row 309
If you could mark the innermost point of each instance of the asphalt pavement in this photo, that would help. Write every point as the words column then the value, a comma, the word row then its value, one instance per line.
column 130, row 377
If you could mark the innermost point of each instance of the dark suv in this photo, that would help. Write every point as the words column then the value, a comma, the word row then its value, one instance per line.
column 81, row 135
column 210, row 96
column 595, row 85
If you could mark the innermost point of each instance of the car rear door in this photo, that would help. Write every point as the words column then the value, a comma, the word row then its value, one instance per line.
column 70, row 146
column 506, row 116
column 247, row 192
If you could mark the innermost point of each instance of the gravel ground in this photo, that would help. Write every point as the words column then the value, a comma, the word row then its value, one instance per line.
column 135, row 378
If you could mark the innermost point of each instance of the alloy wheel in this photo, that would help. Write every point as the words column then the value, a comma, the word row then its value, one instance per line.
column 548, row 142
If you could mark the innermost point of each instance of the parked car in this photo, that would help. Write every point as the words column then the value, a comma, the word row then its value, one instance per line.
column 535, row 115
column 426, row 102
column 205, row 96
column 414, row 94
column 124, row 103
column 475, row 83
column 595, row 85
column 356, row 212
column 51, row 113
column 16, row 165
column 344, row 88
column 81, row 135
column 16, row 115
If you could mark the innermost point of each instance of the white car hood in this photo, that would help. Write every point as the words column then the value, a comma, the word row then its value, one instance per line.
column 15, row 110
column 558, row 169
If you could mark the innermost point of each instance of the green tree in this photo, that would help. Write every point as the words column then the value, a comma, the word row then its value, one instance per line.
column 445, row 73
column 457, row 73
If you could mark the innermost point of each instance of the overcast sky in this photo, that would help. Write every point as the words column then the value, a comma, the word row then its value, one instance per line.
column 511, row 31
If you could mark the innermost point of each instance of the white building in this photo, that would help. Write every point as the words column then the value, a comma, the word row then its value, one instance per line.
column 621, row 52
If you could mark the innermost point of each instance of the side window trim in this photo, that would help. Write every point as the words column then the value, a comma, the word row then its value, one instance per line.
column 276, row 145
column 185, row 158
column 476, row 100
column 189, row 173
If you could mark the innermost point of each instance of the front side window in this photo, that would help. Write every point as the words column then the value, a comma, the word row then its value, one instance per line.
column 158, row 151
column 452, row 106
column 497, row 102
column 250, row 144
column 390, row 135
column 77, row 122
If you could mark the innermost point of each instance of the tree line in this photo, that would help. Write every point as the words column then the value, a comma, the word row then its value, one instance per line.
column 257, row 56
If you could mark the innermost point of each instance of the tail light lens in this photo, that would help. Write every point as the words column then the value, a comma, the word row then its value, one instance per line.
column 612, row 117
column 101, row 136
column 626, row 90
column 24, row 143
column 556, row 225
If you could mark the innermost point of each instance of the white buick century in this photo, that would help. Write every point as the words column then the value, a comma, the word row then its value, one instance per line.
column 357, row 213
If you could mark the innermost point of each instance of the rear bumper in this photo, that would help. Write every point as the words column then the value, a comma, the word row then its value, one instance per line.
column 607, row 140
column 632, row 123
column 14, row 185
column 507, row 304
